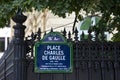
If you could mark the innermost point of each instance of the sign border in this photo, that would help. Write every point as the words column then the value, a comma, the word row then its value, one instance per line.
column 61, row 43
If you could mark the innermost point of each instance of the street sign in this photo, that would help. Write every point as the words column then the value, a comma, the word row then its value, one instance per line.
column 53, row 54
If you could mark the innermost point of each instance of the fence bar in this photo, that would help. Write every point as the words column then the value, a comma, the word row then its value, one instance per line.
column 19, row 47
column 64, row 76
column 115, row 63
column 102, row 67
column 39, row 76
column 76, row 56
column 51, row 76
column 89, row 64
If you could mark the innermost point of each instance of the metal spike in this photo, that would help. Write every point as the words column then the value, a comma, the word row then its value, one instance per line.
column 69, row 35
column 64, row 32
column 32, row 36
column 51, row 30
column 76, row 31
column 89, row 36
column 44, row 33
column 39, row 34
column 76, row 35
column 82, row 36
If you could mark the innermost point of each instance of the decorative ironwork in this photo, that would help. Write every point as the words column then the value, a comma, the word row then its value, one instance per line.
column 93, row 57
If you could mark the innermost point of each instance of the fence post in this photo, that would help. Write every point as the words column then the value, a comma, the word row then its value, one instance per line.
column 19, row 47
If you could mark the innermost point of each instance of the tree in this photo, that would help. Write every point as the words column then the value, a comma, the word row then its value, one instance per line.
column 108, row 9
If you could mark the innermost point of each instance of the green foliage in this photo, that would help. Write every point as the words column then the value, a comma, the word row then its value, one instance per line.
column 86, row 24
column 61, row 7
column 58, row 7
column 116, row 37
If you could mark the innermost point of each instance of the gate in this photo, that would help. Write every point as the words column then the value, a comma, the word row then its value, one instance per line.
column 93, row 59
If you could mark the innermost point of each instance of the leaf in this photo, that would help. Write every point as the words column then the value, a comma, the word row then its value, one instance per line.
column 86, row 24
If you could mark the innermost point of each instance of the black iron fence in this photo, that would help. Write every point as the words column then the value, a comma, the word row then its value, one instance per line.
column 94, row 58
column 6, row 64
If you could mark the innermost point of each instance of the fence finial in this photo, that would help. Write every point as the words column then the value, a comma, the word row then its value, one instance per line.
column 39, row 34
column 64, row 32
column 76, row 35
column 19, row 17
column 69, row 36
column 82, row 36
column 51, row 30
column 89, row 35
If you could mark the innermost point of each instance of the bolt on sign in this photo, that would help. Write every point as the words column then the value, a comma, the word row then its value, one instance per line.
column 53, row 54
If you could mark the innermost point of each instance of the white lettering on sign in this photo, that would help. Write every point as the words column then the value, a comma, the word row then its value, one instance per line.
column 48, row 52
column 44, row 57
column 50, row 38
column 53, row 47
column 53, row 38
column 56, row 57
column 53, row 52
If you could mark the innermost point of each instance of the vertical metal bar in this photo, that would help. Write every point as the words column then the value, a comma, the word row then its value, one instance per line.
column 116, row 70
column 76, row 55
column 19, row 47
column 89, row 64
column 77, row 62
column 102, row 71
column 38, row 76
column 69, row 37
column 64, row 76
column 88, row 72
column 32, row 44
column 64, row 33
column 77, row 74
column 51, row 76
column 5, row 69
column 102, row 63
column 39, row 34
column 115, row 63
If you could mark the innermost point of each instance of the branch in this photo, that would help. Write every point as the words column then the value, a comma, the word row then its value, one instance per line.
column 75, row 20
